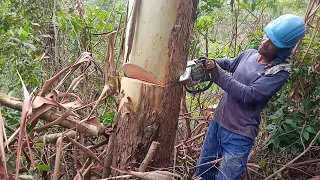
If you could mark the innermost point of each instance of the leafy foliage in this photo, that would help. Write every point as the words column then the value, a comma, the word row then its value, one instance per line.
column 19, row 44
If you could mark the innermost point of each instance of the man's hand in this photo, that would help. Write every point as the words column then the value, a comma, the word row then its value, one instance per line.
column 211, row 64
column 212, row 67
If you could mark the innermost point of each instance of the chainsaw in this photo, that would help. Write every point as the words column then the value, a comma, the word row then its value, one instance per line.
column 197, row 72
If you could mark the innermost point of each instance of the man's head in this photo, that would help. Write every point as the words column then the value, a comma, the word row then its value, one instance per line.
column 281, row 35
column 267, row 48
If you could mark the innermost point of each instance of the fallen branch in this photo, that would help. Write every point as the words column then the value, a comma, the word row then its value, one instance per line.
column 51, row 116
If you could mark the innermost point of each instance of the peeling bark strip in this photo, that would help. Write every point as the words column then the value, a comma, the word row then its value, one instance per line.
column 149, row 112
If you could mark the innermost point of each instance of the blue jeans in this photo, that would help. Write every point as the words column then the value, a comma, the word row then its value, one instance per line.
column 233, row 148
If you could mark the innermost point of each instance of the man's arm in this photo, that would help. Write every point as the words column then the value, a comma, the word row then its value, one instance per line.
column 263, row 88
column 229, row 64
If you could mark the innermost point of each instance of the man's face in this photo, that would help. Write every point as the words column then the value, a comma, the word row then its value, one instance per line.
column 267, row 48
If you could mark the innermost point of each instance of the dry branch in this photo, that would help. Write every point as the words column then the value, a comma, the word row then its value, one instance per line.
column 208, row 163
column 108, row 160
column 51, row 116
column 84, row 149
column 55, row 122
column 152, row 175
column 2, row 146
column 58, row 159
column 148, row 158
column 52, row 138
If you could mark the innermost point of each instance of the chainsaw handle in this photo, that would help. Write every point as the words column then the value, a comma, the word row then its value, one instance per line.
column 199, row 90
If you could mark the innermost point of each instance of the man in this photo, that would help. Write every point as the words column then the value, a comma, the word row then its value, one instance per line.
column 257, row 76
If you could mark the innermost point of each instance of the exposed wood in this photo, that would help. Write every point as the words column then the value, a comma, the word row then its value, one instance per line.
column 150, row 48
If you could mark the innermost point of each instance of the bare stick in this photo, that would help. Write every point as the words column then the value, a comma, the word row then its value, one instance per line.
column 148, row 158
column 58, row 159
column 108, row 160
column 54, row 19
column 311, row 41
column 84, row 149
column 305, row 162
column 207, row 163
column 117, row 177
column 192, row 139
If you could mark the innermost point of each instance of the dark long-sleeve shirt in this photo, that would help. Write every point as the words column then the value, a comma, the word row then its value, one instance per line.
column 247, row 92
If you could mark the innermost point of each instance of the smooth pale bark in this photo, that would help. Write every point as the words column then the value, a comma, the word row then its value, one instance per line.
column 156, row 52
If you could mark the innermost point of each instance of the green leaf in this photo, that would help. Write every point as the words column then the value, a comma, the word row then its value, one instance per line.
column 108, row 118
column 287, row 127
column 294, row 149
column 276, row 143
column 311, row 130
column 262, row 162
column 183, row 161
column 242, row 5
column 39, row 144
column 43, row 167
column 282, row 99
column 119, row 8
column 291, row 122
column 279, row 113
column 317, row 91
column 271, row 126
column 31, row 46
column 261, row 4
column 305, row 135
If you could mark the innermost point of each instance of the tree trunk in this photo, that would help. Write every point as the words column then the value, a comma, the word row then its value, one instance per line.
column 156, row 52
